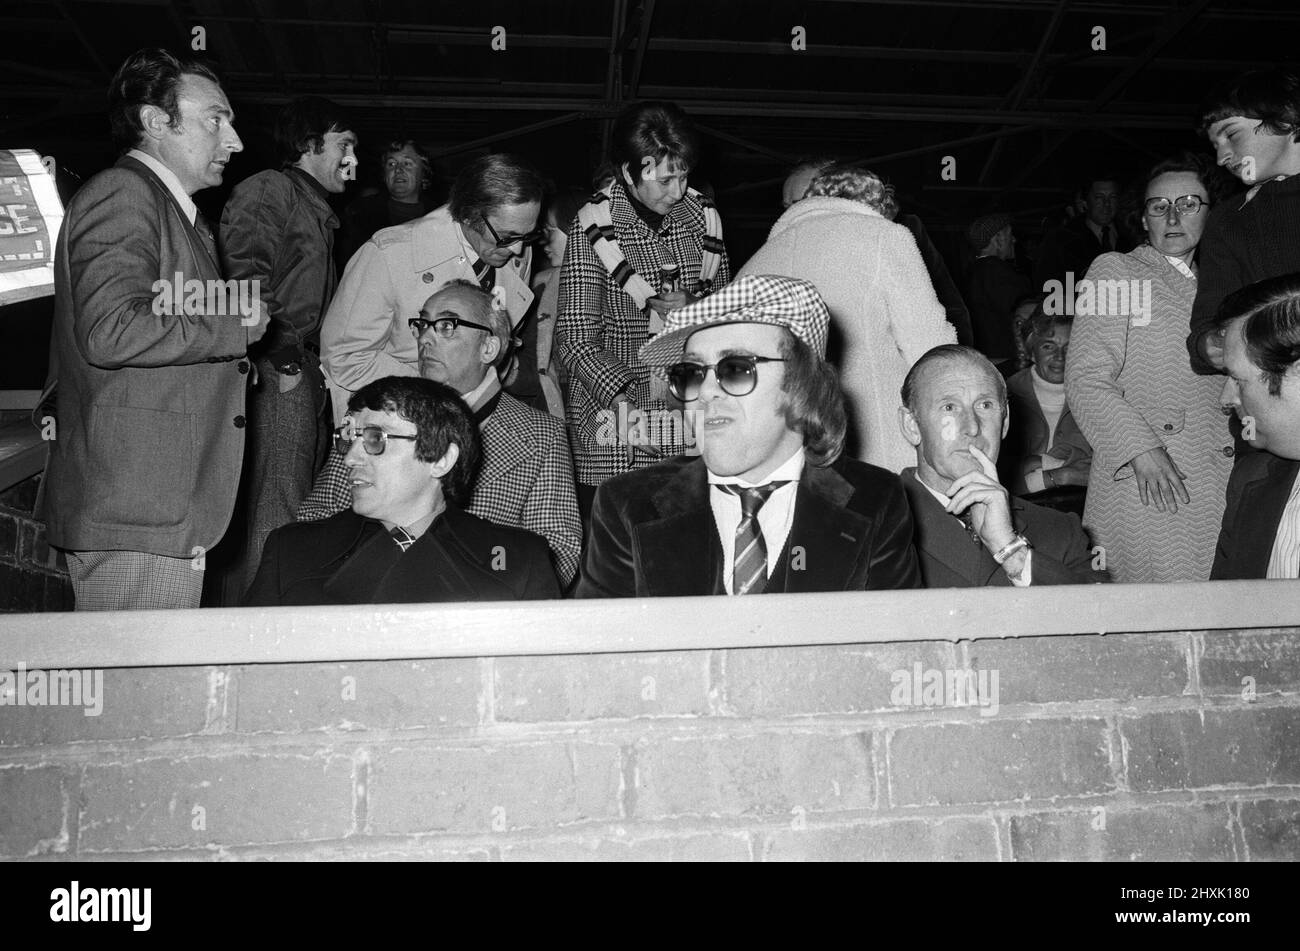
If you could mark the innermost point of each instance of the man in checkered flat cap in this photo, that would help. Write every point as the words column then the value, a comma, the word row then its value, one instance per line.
column 770, row 505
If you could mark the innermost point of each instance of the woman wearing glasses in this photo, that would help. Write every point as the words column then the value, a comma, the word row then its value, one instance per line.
column 1162, row 452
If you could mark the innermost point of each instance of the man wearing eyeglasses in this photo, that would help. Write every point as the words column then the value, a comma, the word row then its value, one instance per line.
column 410, row 447
column 771, row 504
column 483, row 234
column 526, row 478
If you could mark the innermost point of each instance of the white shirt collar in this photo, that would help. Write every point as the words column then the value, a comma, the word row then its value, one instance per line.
column 943, row 499
column 789, row 471
column 477, row 396
column 170, row 180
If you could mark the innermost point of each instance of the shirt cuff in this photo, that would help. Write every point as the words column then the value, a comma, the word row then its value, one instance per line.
column 1026, row 576
column 1034, row 481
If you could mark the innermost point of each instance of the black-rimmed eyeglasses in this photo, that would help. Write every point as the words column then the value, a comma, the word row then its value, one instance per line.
column 503, row 242
column 373, row 439
column 737, row 375
column 1185, row 205
column 444, row 327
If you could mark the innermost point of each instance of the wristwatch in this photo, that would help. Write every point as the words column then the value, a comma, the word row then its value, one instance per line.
column 290, row 368
column 1013, row 546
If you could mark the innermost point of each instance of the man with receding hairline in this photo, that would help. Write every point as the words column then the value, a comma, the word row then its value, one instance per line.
column 970, row 531
column 150, row 402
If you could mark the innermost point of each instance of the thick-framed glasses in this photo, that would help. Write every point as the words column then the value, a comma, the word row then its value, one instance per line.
column 737, row 375
column 373, row 439
column 444, row 327
column 1186, row 205
column 537, row 234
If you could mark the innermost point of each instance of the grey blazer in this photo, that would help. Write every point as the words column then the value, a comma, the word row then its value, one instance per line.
column 149, row 437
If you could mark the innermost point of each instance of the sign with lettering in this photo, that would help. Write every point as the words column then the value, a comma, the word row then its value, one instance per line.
column 30, row 216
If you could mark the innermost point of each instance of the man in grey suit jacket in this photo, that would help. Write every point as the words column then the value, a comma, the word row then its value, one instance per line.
column 969, row 531
column 148, row 361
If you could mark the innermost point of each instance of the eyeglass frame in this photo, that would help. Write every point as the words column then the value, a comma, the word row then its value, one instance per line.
column 1173, row 203
column 415, row 322
column 532, row 237
column 362, row 430
column 753, row 362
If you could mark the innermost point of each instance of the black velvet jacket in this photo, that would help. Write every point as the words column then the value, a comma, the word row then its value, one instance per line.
column 653, row 534
column 347, row 559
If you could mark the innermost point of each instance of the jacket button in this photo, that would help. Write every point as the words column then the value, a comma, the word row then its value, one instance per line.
column 243, row 366
column 427, row 278
column 1169, row 427
column 239, row 422
column 1228, row 450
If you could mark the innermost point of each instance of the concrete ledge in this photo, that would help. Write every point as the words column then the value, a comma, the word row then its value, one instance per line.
column 295, row 635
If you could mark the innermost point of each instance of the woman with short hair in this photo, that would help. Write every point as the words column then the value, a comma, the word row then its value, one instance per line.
column 1162, row 452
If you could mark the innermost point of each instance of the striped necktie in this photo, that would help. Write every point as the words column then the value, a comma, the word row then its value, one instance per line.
column 402, row 537
column 486, row 274
column 749, row 573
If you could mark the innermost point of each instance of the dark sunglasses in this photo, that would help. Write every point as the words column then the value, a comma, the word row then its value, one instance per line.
column 373, row 439
column 737, row 375
column 532, row 237
column 444, row 327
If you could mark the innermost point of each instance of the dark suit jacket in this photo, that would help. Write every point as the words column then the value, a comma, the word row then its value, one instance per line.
column 653, row 534
column 1072, row 247
column 950, row 558
column 150, row 407
column 347, row 559
column 993, row 287
column 1257, row 493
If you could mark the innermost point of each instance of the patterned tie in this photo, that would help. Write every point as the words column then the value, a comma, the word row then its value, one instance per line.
column 402, row 537
column 749, row 574
column 486, row 274
column 202, row 227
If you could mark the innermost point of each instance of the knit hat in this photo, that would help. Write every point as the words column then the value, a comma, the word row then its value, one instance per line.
column 755, row 299
column 982, row 230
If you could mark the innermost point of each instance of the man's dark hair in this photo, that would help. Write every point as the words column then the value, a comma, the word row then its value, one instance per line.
column 302, row 125
column 426, row 163
column 656, row 129
column 1085, row 184
column 1270, row 95
column 148, row 77
column 440, row 417
column 1272, row 327
column 494, row 181
column 948, row 351
column 815, row 402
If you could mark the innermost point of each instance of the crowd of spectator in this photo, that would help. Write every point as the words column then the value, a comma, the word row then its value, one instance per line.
column 529, row 392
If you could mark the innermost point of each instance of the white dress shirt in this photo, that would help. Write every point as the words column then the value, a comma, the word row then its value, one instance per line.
column 170, row 180
column 774, row 518
column 1284, row 562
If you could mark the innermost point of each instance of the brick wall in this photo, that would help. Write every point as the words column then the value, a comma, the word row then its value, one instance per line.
column 1116, row 747
column 33, row 576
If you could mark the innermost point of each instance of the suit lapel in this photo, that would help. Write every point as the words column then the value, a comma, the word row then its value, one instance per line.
column 366, row 560
column 826, row 538
column 504, row 450
column 202, row 247
column 941, row 537
column 1262, row 504
column 679, row 549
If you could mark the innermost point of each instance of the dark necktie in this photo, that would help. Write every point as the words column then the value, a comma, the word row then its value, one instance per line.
column 486, row 274
column 969, row 525
column 1107, row 243
column 402, row 537
column 203, row 228
column 749, row 574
